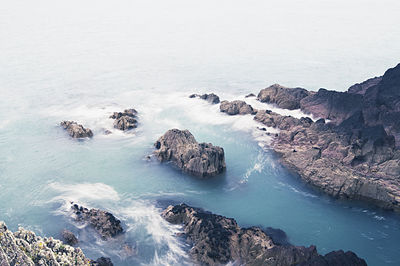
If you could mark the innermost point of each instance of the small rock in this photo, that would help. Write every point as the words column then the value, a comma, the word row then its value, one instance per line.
column 125, row 120
column 236, row 108
column 76, row 130
column 69, row 237
column 102, row 261
column 250, row 95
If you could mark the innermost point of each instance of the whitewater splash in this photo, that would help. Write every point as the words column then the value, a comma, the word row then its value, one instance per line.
column 148, row 239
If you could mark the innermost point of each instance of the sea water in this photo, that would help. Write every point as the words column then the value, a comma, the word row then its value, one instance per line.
column 74, row 60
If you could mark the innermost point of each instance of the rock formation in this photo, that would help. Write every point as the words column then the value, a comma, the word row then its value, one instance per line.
column 211, row 98
column 236, row 108
column 103, row 222
column 26, row 248
column 287, row 98
column 181, row 148
column 76, row 130
column 350, row 160
column 125, row 120
column 218, row 240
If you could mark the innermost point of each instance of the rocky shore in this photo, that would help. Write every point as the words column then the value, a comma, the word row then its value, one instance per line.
column 181, row 148
column 217, row 240
column 24, row 247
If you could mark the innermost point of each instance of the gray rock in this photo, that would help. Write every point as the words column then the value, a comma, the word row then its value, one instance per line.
column 69, row 237
column 361, row 88
column 76, row 130
column 250, row 95
column 181, row 148
column 287, row 98
column 102, row 261
column 103, row 222
column 125, row 120
column 219, row 240
column 236, row 108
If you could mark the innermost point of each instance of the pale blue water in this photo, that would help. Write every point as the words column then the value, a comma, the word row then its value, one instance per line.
column 82, row 61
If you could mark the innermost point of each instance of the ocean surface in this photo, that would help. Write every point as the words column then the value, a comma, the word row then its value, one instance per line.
column 83, row 60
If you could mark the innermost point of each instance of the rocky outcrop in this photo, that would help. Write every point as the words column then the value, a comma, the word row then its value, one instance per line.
column 181, row 148
column 26, row 248
column 103, row 222
column 236, row 108
column 349, row 160
column 332, row 105
column 76, row 130
column 125, row 120
column 287, row 98
column 219, row 240
column 361, row 88
column 211, row 98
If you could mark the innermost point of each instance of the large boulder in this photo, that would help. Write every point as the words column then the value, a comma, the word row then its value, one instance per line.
column 181, row 148
column 287, row 98
column 361, row 88
column 218, row 240
column 125, row 120
column 76, row 130
column 103, row 222
column 236, row 108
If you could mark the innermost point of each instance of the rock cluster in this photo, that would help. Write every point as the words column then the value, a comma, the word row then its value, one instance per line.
column 125, row 120
column 25, row 248
column 218, row 240
column 211, row 98
column 287, row 98
column 76, row 130
column 236, row 108
column 181, row 148
column 103, row 222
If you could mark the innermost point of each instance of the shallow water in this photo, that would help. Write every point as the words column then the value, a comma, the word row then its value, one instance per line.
column 82, row 61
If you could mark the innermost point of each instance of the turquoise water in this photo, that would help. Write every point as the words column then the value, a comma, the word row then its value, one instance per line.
column 68, row 60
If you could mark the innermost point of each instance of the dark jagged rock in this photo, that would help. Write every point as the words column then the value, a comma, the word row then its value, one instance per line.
column 236, row 108
column 181, row 148
column 69, row 237
column 102, row 261
column 103, row 222
column 76, row 130
column 211, row 98
column 250, row 95
column 287, row 98
column 219, row 240
column 24, row 247
column 125, row 120
column 332, row 105
column 361, row 88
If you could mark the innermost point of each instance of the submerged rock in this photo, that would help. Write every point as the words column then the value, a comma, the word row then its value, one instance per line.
column 250, row 95
column 103, row 222
column 218, row 240
column 26, row 248
column 125, row 120
column 102, row 261
column 211, row 98
column 69, row 237
column 181, row 148
column 236, row 108
column 287, row 98
column 76, row 130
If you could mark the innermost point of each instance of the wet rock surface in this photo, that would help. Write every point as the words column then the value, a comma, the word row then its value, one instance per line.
column 211, row 98
column 103, row 222
column 76, row 130
column 181, row 148
column 125, row 120
column 236, row 108
column 219, row 240
column 286, row 98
